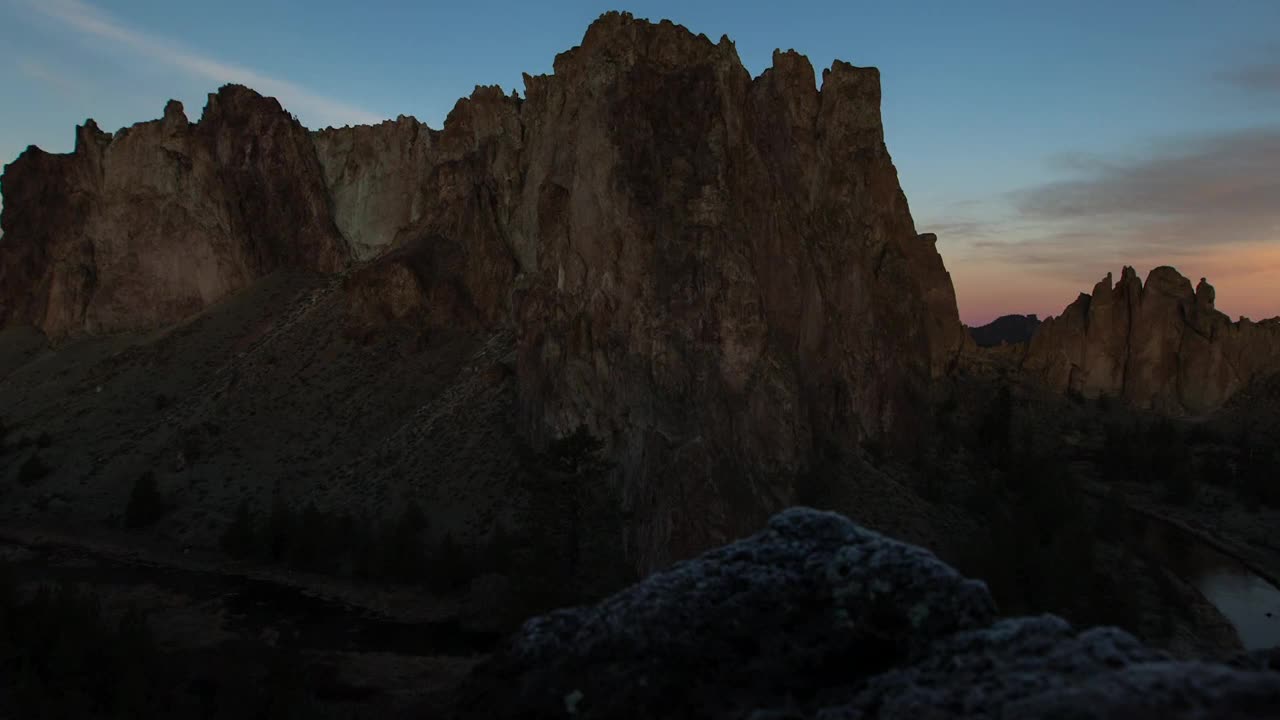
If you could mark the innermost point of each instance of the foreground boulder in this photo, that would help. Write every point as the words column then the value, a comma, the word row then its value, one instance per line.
column 815, row 617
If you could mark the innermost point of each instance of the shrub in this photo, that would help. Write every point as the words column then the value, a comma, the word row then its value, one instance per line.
column 1037, row 538
column 192, row 445
column 33, row 470
column 240, row 538
column 995, row 430
column 280, row 529
column 146, row 504
column 400, row 551
column 449, row 566
column 1179, row 485
column 499, row 551
column 315, row 545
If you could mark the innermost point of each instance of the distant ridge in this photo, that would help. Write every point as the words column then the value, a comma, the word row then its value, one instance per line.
column 1006, row 330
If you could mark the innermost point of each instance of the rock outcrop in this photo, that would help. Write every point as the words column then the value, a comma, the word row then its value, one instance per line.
column 717, row 274
column 1005, row 330
column 153, row 224
column 815, row 617
column 376, row 175
column 1160, row 345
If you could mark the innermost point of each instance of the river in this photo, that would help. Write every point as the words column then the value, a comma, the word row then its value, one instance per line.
column 1249, row 602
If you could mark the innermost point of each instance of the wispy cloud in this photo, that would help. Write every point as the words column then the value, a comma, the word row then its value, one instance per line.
column 1263, row 77
column 88, row 20
column 960, row 229
column 49, row 77
column 1198, row 191
column 1207, row 204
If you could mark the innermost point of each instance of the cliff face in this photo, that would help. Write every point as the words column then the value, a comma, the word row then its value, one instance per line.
column 717, row 274
column 1159, row 345
column 375, row 175
column 719, row 271
column 158, row 221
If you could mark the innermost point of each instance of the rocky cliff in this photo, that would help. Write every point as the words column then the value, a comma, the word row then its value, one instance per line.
column 1160, row 345
column 717, row 274
column 152, row 224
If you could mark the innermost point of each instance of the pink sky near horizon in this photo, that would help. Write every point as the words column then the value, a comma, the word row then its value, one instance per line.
column 1246, row 279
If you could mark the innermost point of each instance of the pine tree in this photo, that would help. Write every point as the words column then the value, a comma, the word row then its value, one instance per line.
column 146, row 504
column 241, row 535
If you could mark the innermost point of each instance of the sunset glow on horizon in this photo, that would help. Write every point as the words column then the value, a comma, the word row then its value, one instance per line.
column 1245, row 280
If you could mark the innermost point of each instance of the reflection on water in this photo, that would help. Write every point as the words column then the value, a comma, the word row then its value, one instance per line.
column 1251, row 604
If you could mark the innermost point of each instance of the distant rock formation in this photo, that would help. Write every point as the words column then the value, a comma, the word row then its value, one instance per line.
column 717, row 274
column 1159, row 345
column 815, row 617
column 1005, row 330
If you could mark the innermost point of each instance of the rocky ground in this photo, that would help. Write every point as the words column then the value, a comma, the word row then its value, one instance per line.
column 264, row 395
column 826, row 620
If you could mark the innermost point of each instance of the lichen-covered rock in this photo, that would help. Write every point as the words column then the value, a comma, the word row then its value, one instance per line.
column 792, row 610
column 1160, row 345
column 815, row 617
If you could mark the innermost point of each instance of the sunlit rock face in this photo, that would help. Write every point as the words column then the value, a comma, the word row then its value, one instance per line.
column 376, row 175
column 815, row 617
column 1160, row 345
column 717, row 274
column 150, row 225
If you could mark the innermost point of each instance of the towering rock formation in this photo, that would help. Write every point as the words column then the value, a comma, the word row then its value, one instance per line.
column 150, row 225
column 717, row 274
column 1161, row 346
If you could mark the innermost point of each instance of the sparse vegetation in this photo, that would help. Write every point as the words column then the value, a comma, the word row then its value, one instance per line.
column 63, row 658
column 576, row 552
column 241, row 536
column 72, row 662
column 396, row 551
column 146, row 505
column 1180, row 460
column 33, row 470
column 1038, row 541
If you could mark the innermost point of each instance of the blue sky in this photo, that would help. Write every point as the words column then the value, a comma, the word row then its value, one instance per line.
column 1046, row 142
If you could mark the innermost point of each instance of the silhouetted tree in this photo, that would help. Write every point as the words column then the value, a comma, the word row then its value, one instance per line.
column 281, row 526
column 995, row 430
column 240, row 539
column 33, row 470
column 146, row 505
